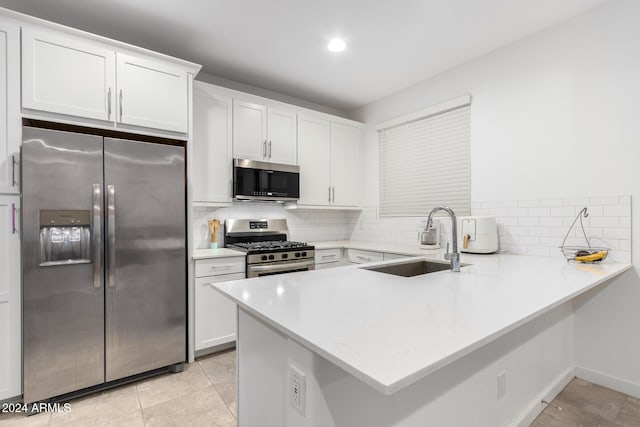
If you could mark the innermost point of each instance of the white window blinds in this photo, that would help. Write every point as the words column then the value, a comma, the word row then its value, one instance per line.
column 426, row 162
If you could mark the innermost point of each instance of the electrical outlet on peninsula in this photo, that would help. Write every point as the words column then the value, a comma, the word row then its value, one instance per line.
column 297, row 387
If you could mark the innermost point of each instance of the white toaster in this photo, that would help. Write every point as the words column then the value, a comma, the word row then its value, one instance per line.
column 477, row 234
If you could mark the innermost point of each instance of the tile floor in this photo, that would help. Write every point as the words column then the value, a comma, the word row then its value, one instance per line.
column 203, row 395
column 588, row 405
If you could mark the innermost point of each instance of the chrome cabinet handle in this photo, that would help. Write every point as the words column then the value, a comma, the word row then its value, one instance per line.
column 96, row 233
column 13, row 218
column 111, row 229
column 364, row 258
column 328, row 256
column 109, row 104
column 120, row 104
column 264, row 148
column 13, row 170
column 329, row 194
column 334, row 194
column 221, row 267
column 269, row 149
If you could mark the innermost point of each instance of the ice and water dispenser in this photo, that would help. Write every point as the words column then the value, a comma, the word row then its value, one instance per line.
column 65, row 237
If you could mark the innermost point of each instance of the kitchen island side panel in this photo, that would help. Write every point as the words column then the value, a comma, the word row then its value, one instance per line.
column 536, row 357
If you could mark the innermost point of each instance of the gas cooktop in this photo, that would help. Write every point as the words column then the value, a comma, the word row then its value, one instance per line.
column 268, row 246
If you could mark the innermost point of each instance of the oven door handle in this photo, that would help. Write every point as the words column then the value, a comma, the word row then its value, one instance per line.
column 283, row 266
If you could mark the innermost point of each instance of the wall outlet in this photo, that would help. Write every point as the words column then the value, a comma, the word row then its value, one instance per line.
column 297, row 389
column 502, row 384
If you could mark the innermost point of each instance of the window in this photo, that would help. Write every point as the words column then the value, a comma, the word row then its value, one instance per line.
column 425, row 161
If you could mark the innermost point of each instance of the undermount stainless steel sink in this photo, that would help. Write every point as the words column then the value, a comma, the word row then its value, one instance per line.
column 411, row 268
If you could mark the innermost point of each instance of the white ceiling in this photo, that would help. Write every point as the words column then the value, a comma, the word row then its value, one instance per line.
column 280, row 45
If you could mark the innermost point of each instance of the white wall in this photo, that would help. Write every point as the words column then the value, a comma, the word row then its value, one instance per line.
column 553, row 116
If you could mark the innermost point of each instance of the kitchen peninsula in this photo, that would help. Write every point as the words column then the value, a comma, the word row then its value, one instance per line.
column 376, row 349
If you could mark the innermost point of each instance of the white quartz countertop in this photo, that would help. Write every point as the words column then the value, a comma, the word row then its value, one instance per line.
column 391, row 331
column 215, row 253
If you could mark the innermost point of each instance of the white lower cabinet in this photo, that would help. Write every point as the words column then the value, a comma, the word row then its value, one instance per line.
column 329, row 258
column 215, row 315
column 10, row 320
column 358, row 256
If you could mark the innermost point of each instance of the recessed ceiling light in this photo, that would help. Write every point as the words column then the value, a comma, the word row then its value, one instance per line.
column 336, row 45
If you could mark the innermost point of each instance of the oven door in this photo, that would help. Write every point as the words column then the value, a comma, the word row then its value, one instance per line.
column 280, row 268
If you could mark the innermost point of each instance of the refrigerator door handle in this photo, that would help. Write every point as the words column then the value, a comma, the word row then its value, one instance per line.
column 96, row 233
column 111, row 230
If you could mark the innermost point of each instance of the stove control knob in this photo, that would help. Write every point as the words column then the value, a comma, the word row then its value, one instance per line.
column 304, row 254
column 285, row 256
column 263, row 257
column 272, row 257
column 297, row 254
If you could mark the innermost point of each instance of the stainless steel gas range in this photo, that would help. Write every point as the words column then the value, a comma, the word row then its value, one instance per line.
column 267, row 248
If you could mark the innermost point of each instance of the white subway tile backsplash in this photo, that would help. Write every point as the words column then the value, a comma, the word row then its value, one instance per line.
column 528, row 203
column 603, row 221
column 551, row 221
column 539, row 212
column 605, row 201
column 528, row 220
column 619, row 210
column 563, row 211
column 547, row 203
column 517, row 211
column 508, row 204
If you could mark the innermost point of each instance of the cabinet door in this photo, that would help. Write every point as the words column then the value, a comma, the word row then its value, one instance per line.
column 152, row 94
column 345, row 168
column 211, row 157
column 10, row 127
column 67, row 75
column 10, row 299
column 314, row 158
column 249, row 130
column 282, row 136
column 215, row 314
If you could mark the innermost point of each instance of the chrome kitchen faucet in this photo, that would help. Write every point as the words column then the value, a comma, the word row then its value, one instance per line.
column 454, row 256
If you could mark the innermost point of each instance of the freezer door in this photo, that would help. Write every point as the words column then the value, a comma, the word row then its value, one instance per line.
column 63, row 294
column 145, row 256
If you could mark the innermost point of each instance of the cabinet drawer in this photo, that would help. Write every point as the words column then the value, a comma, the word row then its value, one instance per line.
column 328, row 255
column 358, row 256
column 218, row 266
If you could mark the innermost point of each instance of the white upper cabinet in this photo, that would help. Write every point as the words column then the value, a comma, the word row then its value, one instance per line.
column 314, row 158
column 212, row 145
column 10, row 122
column 152, row 93
column 328, row 154
column 281, row 136
column 264, row 133
column 67, row 75
column 249, row 130
column 90, row 81
column 345, row 171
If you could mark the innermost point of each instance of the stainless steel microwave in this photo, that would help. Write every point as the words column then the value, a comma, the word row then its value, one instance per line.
column 254, row 180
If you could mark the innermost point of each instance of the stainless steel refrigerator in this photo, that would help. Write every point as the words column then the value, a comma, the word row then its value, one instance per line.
column 104, row 260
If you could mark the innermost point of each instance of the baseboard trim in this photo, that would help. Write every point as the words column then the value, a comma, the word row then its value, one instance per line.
column 536, row 407
column 609, row 381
